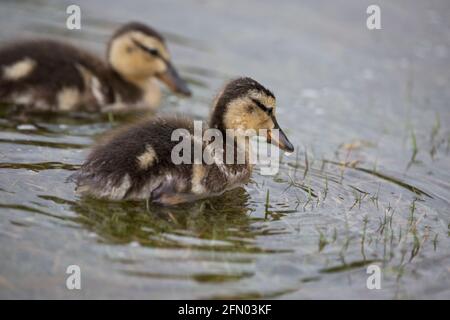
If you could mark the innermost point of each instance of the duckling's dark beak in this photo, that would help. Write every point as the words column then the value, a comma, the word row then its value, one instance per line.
column 280, row 140
column 174, row 81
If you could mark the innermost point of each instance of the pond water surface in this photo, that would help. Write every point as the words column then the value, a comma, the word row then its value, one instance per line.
column 367, row 110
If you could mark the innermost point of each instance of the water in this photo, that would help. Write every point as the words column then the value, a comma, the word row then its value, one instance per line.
column 367, row 110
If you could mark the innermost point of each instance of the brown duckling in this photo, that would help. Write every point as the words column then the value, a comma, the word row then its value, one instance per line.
column 47, row 75
column 138, row 162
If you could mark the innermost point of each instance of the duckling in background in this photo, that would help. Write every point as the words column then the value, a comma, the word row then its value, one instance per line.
column 136, row 162
column 53, row 76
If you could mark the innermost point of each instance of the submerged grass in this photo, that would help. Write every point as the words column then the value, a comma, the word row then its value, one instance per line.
column 348, row 266
column 383, row 176
column 415, row 150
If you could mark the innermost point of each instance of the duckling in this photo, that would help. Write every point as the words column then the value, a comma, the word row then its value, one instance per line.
column 47, row 75
column 137, row 162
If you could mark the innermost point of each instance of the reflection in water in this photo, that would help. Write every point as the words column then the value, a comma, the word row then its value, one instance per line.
column 220, row 223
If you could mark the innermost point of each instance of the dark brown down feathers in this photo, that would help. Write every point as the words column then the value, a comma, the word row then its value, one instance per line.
column 55, row 68
column 113, row 170
column 116, row 158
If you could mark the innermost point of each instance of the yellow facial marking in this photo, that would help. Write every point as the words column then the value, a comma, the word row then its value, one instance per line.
column 132, row 62
column 266, row 100
column 243, row 114
column 148, row 158
column 19, row 70
column 150, row 42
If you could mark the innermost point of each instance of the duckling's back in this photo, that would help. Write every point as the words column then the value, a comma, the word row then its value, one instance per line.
column 133, row 161
column 137, row 163
column 52, row 76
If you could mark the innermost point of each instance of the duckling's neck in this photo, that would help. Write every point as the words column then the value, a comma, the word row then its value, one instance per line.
column 128, row 91
column 241, row 150
column 236, row 148
column 146, row 90
column 241, row 142
column 217, row 117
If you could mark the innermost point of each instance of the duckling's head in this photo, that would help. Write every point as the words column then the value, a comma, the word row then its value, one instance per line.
column 243, row 105
column 139, row 53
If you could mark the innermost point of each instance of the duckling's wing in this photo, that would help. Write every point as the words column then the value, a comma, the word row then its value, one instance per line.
column 134, row 163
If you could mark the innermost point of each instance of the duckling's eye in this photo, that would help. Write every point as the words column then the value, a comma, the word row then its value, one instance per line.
column 152, row 51
column 250, row 109
column 269, row 111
